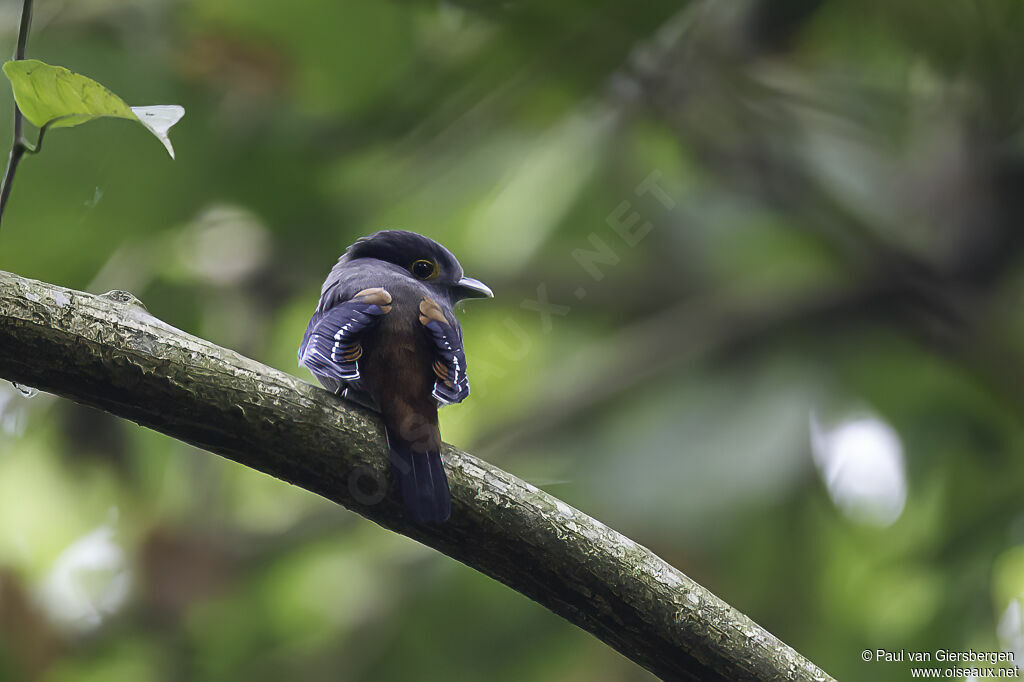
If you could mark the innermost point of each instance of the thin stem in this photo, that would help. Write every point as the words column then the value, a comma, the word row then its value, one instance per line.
column 19, row 145
column 17, row 151
column 26, row 21
column 38, row 146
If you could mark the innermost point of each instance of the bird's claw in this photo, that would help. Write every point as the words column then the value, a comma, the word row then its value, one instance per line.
column 452, row 385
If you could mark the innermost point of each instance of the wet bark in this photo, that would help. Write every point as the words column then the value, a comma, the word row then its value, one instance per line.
column 109, row 352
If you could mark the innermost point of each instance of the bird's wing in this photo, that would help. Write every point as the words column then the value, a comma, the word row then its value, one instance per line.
column 452, row 384
column 330, row 348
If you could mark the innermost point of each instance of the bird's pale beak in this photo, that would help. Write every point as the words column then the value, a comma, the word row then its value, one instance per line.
column 467, row 287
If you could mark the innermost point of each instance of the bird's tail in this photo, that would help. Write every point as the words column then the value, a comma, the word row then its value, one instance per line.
column 421, row 478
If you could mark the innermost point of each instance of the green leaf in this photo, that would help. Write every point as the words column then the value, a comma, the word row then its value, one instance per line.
column 55, row 97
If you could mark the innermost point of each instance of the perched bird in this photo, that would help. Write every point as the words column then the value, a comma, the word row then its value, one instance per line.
column 385, row 334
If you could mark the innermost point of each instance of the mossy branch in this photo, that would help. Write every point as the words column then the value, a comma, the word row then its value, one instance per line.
column 108, row 352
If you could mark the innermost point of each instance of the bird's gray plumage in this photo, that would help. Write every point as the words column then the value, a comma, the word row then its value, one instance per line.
column 385, row 329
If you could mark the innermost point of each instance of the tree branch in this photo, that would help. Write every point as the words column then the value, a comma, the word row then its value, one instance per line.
column 108, row 352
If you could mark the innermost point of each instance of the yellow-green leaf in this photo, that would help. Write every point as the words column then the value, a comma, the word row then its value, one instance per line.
column 55, row 96
column 58, row 98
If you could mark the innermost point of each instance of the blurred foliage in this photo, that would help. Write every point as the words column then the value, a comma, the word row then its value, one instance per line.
column 821, row 313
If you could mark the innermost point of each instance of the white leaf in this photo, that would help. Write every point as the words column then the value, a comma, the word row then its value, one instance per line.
column 159, row 120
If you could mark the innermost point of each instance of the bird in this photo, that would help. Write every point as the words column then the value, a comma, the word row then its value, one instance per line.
column 384, row 334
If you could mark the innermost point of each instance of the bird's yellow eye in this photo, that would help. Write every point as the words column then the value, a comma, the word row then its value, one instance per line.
column 423, row 269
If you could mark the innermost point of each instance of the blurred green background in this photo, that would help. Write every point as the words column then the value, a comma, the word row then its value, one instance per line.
column 785, row 239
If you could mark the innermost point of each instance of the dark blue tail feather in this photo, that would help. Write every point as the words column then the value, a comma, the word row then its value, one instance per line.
column 421, row 481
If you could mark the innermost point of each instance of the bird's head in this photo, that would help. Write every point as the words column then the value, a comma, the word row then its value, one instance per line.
column 424, row 259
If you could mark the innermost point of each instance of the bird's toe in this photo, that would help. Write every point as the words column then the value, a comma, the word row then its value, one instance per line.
column 430, row 310
column 377, row 296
